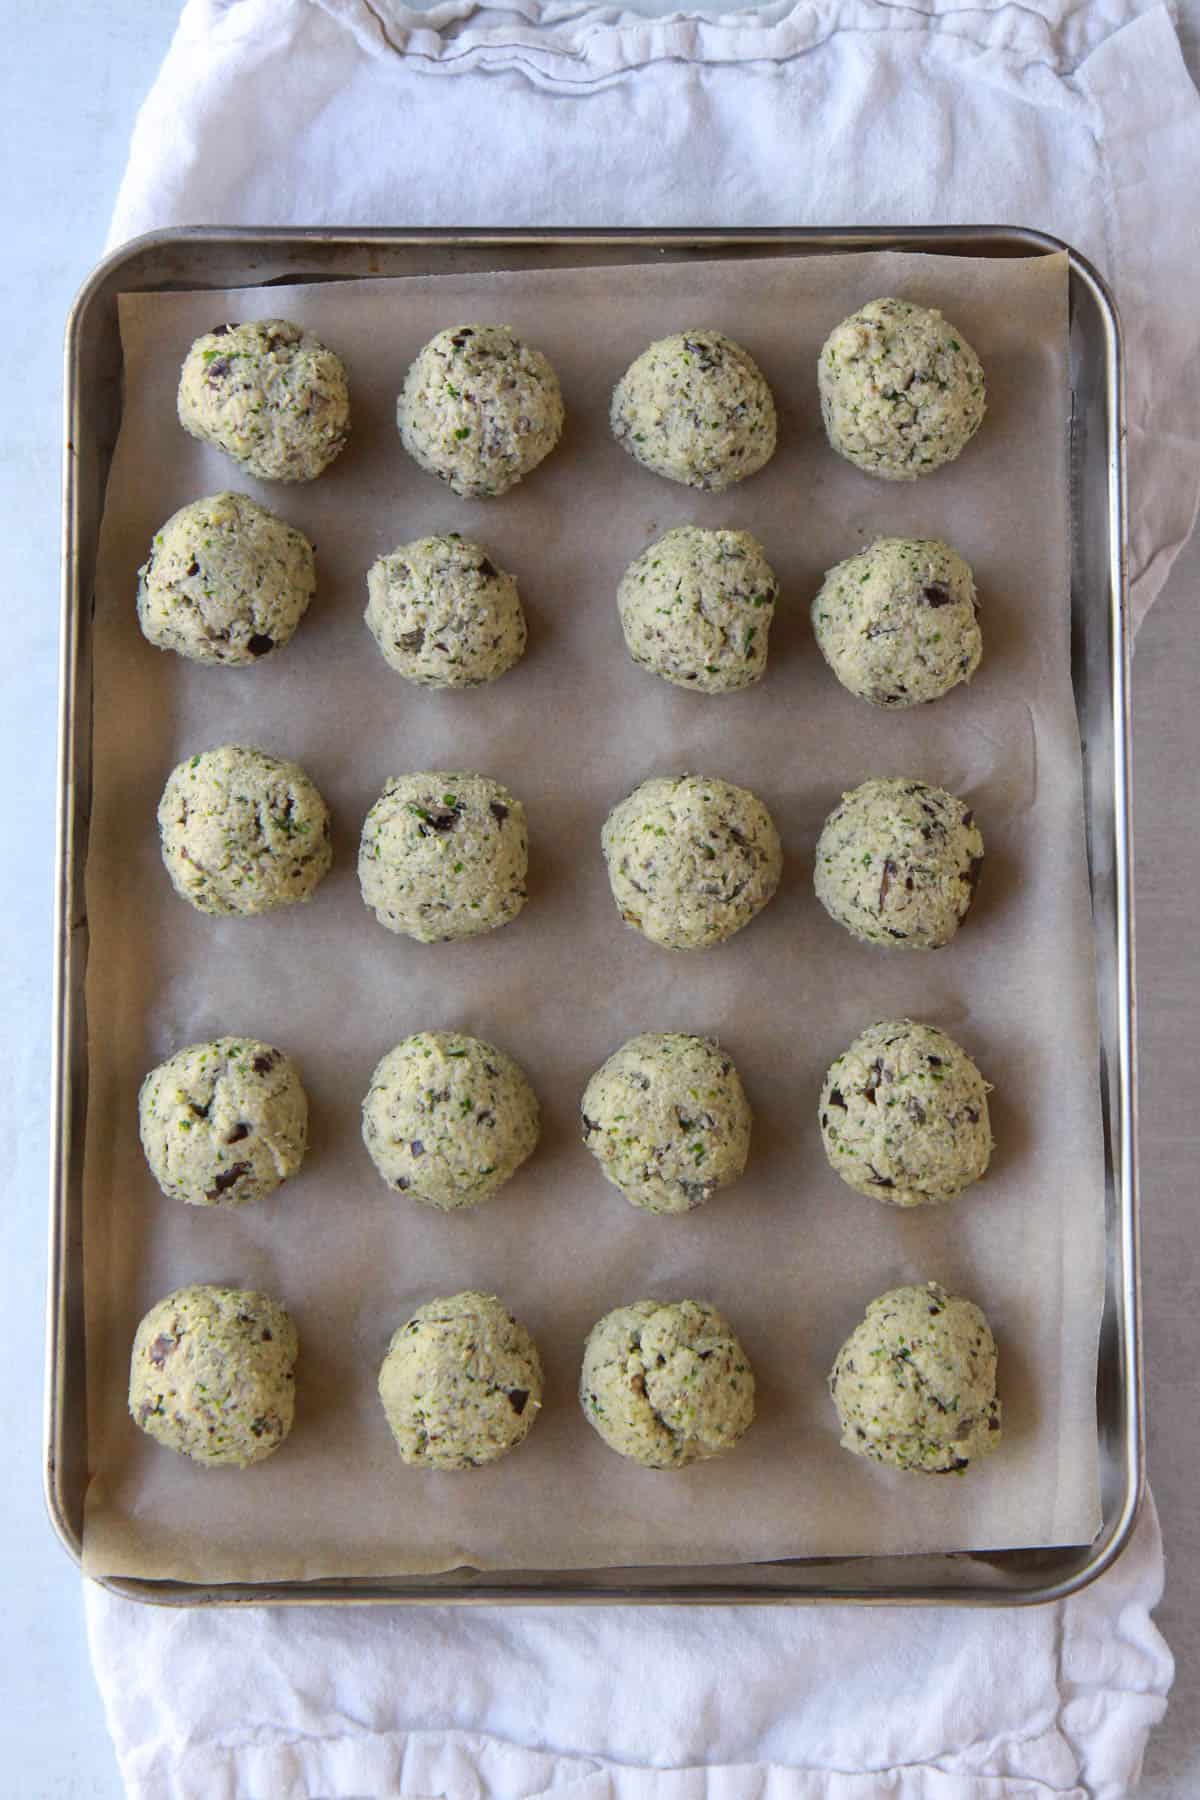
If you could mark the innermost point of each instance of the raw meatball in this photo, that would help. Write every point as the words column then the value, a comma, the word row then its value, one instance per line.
column 443, row 614
column 902, row 391
column 269, row 394
column 480, row 409
column 666, row 1382
column 444, row 856
column 697, row 606
column 915, row 1384
column 448, row 1119
column 212, row 1374
column 898, row 862
column 667, row 1119
column 904, row 1115
column 243, row 832
column 691, row 859
column 899, row 623
column 223, row 1123
column 225, row 582
column 461, row 1383
column 696, row 408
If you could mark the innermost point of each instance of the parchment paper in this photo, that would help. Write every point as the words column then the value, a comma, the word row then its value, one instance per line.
column 790, row 1254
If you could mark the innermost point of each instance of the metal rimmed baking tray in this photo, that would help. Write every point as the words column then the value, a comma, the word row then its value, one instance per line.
column 221, row 259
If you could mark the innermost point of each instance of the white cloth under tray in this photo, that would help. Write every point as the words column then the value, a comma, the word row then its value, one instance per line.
column 659, row 1703
column 1079, row 119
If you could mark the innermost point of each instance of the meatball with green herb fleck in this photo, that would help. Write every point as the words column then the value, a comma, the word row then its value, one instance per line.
column 902, row 391
column 443, row 614
column 666, row 1383
column 223, row 1123
column 225, row 582
column 691, row 859
column 270, row 395
column 899, row 623
column 696, row 608
column 212, row 1375
column 695, row 408
column 897, row 864
column 449, row 1119
column 915, row 1384
column 667, row 1119
column 444, row 855
column 904, row 1115
column 461, row 1383
column 479, row 409
column 243, row 832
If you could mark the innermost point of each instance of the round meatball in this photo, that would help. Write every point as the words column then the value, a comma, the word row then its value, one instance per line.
column 904, row 1115
column 443, row 614
column 479, row 409
column 461, row 1384
column 691, row 859
column 225, row 582
column 270, row 395
column 243, row 832
column 223, row 1123
column 915, row 1384
column 697, row 606
column 444, row 856
column 666, row 1383
column 667, row 1119
column 902, row 391
column 898, row 862
column 448, row 1119
column 213, row 1374
column 899, row 624
column 696, row 408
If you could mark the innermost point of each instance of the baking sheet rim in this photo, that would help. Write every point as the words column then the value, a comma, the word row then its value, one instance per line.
column 69, row 962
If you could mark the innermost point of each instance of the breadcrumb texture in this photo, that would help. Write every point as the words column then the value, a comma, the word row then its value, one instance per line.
column 461, row 1384
column 915, row 1384
column 904, row 1115
column 696, row 408
column 666, row 1383
column 212, row 1375
column 225, row 583
column 479, row 409
column 902, row 391
column 696, row 608
column 223, row 1123
column 443, row 614
column 270, row 395
column 667, row 1119
column 444, row 854
column 899, row 623
column 449, row 1119
column 897, row 863
column 243, row 832
column 691, row 859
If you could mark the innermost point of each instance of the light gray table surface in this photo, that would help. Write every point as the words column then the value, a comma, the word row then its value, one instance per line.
column 71, row 82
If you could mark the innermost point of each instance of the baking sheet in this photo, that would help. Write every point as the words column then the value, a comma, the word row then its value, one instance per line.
column 790, row 1253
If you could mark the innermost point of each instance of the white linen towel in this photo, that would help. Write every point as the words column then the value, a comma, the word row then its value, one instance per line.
column 658, row 1703
column 1078, row 119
